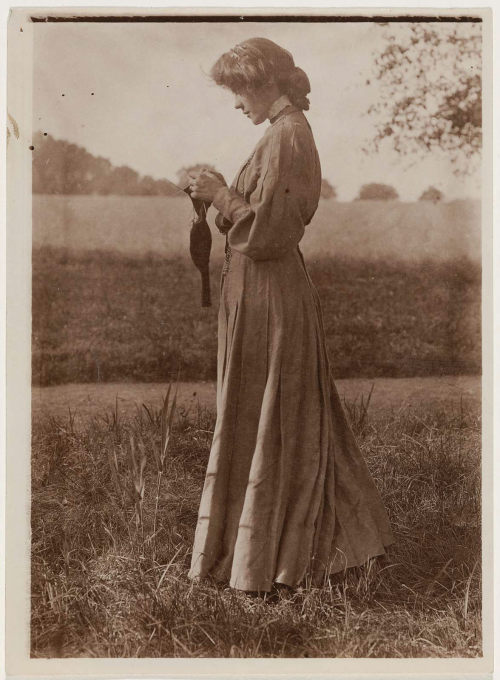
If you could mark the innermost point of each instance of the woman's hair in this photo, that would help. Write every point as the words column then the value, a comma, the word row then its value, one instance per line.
column 253, row 63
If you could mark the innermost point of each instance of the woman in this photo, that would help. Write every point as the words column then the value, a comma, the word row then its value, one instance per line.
column 287, row 494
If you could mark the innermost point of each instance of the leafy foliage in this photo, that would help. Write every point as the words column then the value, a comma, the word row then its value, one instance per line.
column 63, row 168
column 429, row 90
column 375, row 191
column 431, row 194
column 327, row 190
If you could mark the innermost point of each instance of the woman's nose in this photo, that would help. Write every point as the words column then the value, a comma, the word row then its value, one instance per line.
column 238, row 104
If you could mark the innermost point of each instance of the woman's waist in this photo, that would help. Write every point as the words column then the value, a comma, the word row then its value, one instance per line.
column 290, row 264
column 292, row 253
column 256, row 281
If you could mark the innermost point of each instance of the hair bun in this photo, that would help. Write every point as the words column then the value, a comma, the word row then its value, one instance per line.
column 298, row 88
column 256, row 62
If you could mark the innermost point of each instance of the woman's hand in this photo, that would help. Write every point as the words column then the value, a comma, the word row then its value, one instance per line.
column 205, row 184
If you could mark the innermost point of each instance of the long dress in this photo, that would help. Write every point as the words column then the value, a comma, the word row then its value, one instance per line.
column 287, row 493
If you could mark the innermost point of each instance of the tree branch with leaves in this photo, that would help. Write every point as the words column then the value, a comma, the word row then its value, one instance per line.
column 428, row 81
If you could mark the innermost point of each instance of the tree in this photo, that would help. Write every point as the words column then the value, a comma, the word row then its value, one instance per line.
column 63, row 168
column 377, row 192
column 432, row 194
column 148, row 186
column 47, row 165
column 125, row 181
column 429, row 91
column 327, row 190
column 183, row 173
column 102, row 171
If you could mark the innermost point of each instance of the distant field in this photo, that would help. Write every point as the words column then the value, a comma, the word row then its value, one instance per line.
column 137, row 225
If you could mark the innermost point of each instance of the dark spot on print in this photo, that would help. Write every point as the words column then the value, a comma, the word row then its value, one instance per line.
column 286, row 191
column 92, row 93
column 44, row 134
column 32, row 148
column 62, row 94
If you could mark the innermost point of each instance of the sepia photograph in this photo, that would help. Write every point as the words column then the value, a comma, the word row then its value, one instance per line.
column 256, row 281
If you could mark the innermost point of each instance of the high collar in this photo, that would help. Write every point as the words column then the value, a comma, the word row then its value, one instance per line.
column 278, row 105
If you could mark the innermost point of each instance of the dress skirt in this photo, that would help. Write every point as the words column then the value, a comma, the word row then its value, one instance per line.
column 287, row 494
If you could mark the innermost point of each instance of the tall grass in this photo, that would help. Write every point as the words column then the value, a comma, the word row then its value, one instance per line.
column 101, row 586
column 105, row 317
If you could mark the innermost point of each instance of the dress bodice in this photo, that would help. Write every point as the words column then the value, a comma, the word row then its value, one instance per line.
column 275, row 193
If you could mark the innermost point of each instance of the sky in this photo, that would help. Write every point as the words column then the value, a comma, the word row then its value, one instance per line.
column 140, row 95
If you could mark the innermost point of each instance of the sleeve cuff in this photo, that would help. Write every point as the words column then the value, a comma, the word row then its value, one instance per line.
column 230, row 204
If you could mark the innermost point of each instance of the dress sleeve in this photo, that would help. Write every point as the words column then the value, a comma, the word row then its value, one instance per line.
column 222, row 224
column 272, row 219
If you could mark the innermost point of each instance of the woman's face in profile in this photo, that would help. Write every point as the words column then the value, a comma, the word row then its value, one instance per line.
column 255, row 105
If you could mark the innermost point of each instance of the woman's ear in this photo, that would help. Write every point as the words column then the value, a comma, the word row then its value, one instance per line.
column 272, row 89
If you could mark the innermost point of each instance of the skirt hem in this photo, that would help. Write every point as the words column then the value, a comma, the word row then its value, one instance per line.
column 316, row 581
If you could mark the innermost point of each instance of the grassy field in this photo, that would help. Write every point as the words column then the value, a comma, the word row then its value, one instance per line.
column 109, row 570
column 135, row 225
column 102, row 317
column 400, row 286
